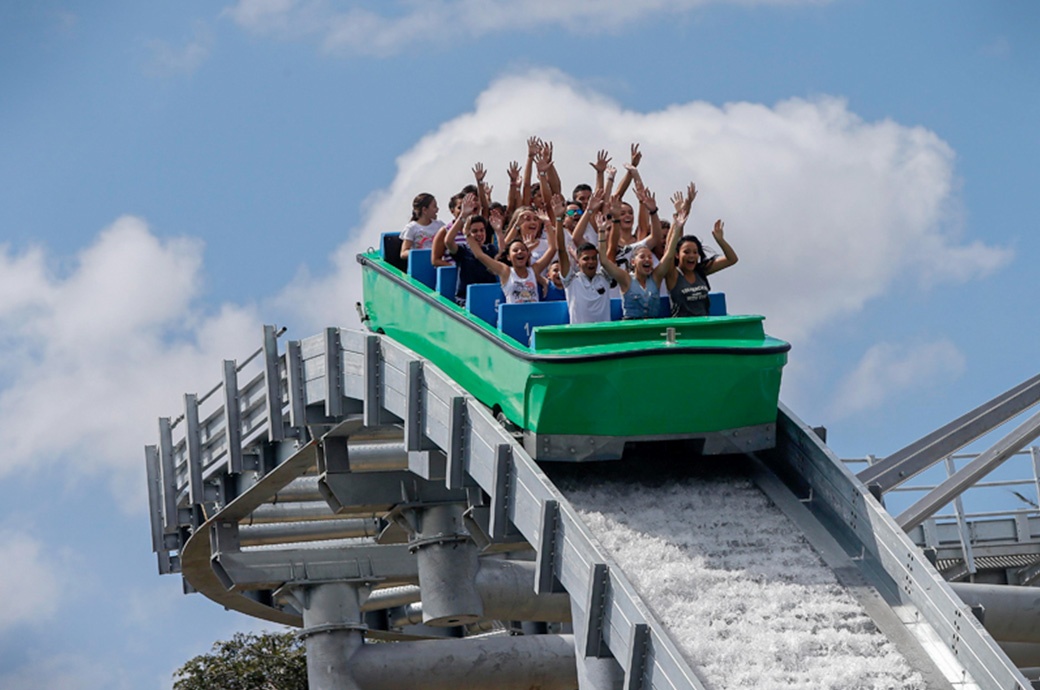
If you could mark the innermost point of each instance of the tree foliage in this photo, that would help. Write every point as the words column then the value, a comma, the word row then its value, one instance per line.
column 268, row 661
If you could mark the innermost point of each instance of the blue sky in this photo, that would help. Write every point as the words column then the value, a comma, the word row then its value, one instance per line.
column 173, row 175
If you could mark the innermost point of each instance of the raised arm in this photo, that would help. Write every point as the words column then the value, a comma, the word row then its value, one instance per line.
column 667, row 264
column 495, row 266
column 613, row 206
column 606, row 256
column 627, row 177
column 534, row 146
column 543, row 161
column 587, row 217
column 728, row 258
column 554, row 177
column 547, row 257
column 558, row 207
column 648, row 207
column 512, row 231
column 513, row 200
column 483, row 196
column 643, row 225
column 469, row 206
column 602, row 159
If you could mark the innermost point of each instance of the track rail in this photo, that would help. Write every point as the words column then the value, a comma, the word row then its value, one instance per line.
column 232, row 453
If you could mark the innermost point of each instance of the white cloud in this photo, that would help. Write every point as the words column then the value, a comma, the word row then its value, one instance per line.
column 166, row 59
column 825, row 210
column 394, row 27
column 93, row 356
column 30, row 577
column 887, row 369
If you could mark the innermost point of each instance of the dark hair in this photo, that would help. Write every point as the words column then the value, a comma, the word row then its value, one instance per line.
column 420, row 203
column 468, row 189
column 575, row 202
column 478, row 219
column 503, row 255
column 455, row 201
column 584, row 247
column 498, row 206
column 703, row 264
column 581, row 188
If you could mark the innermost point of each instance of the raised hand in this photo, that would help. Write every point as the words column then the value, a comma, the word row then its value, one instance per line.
column 547, row 150
column 596, row 201
column 479, row 172
column 611, row 171
column 534, row 145
column 691, row 194
column 679, row 201
column 514, row 173
column 487, row 190
column 717, row 232
column 543, row 162
column 636, row 155
column 633, row 171
column 496, row 222
column 647, row 197
column 679, row 219
column 601, row 161
column 469, row 204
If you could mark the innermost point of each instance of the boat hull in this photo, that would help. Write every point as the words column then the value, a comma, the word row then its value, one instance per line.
column 585, row 391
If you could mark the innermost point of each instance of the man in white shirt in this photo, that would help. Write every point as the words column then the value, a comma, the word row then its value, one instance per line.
column 585, row 283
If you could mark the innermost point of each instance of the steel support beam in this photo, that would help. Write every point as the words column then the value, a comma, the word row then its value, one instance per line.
column 502, row 662
column 272, row 387
column 270, row 569
column 1012, row 614
column 447, row 564
column 970, row 473
column 925, row 452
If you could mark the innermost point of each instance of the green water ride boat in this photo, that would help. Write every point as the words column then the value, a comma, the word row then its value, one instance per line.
column 583, row 392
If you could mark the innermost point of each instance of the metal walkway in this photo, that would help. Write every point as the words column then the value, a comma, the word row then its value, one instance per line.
column 347, row 487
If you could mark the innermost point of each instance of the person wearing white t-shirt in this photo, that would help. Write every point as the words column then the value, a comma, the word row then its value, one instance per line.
column 419, row 232
column 521, row 280
column 585, row 283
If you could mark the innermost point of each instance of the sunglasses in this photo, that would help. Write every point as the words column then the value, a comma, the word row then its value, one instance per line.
column 574, row 213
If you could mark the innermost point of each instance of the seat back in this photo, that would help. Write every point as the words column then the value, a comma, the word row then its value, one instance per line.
column 717, row 306
column 518, row 321
column 420, row 268
column 482, row 300
column 447, row 281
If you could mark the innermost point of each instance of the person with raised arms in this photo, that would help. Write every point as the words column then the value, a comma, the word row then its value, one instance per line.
column 641, row 288
column 470, row 269
column 687, row 277
column 521, row 281
column 585, row 283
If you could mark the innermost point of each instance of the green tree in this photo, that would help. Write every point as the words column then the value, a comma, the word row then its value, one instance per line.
column 268, row 661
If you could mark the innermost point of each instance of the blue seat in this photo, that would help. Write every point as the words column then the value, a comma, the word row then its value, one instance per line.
column 666, row 307
column 420, row 268
column 554, row 294
column 615, row 309
column 482, row 300
column 447, row 281
column 717, row 306
column 518, row 321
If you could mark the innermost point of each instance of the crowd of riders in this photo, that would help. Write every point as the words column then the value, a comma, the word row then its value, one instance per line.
column 587, row 248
